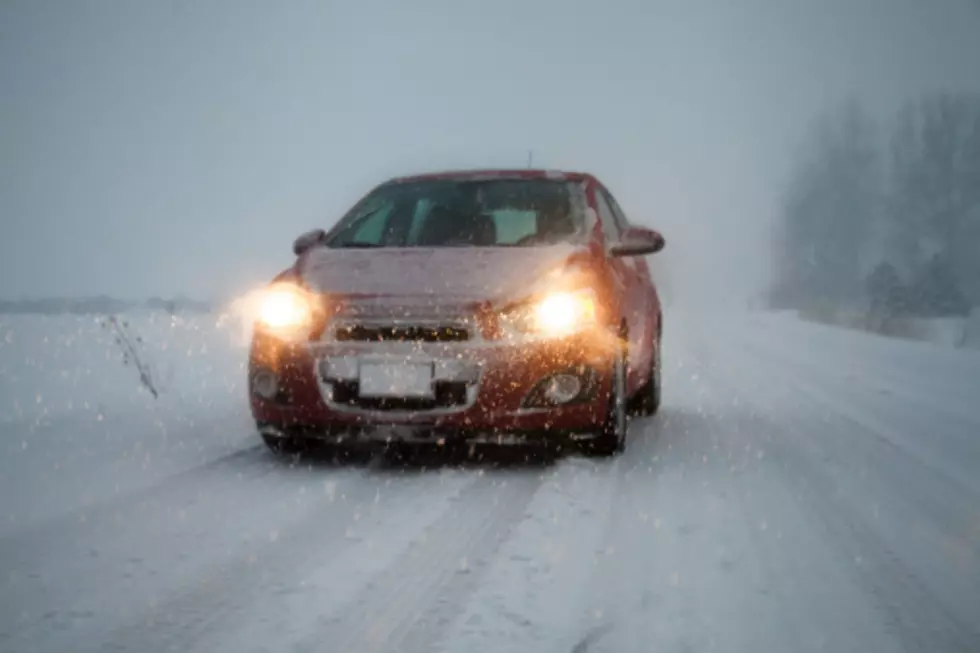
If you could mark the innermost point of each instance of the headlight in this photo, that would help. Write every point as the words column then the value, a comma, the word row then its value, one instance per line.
column 557, row 314
column 285, row 307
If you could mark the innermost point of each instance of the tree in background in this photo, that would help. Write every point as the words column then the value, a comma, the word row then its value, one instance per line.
column 935, row 291
column 932, row 215
column 885, row 290
column 828, row 212
column 839, row 217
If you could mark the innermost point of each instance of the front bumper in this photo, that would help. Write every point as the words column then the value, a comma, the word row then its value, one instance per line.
column 483, row 391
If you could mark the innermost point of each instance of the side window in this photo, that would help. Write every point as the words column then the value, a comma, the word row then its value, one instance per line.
column 371, row 228
column 622, row 224
column 621, row 220
column 610, row 230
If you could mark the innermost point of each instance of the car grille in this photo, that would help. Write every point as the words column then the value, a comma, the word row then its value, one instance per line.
column 401, row 333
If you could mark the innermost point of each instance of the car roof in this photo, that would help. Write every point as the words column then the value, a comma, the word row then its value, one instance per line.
column 502, row 173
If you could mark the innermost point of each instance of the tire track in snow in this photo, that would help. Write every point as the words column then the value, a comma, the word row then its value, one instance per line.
column 84, row 463
column 911, row 608
column 842, row 414
column 935, row 385
column 211, row 608
column 21, row 549
column 583, row 571
column 141, row 544
column 249, row 464
column 688, row 574
column 876, row 422
column 875, row 386
column 923, row 623
column 536, row 592
column 408, row 607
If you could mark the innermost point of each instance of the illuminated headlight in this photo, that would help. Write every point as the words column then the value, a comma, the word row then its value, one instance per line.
column 556, row 314
column 285, row 307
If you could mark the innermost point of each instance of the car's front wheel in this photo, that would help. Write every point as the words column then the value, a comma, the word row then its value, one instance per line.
column 647, row 400
column 611, row 439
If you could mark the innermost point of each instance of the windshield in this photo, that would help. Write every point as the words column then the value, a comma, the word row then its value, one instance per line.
column 471, row 213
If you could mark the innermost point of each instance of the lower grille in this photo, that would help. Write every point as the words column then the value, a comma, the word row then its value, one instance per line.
column 401, row 333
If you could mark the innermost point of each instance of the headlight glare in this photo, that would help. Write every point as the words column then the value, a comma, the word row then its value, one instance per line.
column 285, row 306
column 564, row 312
column 556, row 314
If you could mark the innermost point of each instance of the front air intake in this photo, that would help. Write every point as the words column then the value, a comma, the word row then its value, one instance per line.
column 401, row 333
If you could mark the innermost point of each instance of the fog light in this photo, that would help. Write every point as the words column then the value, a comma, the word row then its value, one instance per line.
column 265, row 384
column 571, row 386
column 562, row 388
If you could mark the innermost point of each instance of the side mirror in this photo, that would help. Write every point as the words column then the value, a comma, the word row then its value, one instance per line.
column 308, row 241
column 638, row 241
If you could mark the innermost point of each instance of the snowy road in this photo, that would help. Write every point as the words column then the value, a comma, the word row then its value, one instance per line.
column 804, row 489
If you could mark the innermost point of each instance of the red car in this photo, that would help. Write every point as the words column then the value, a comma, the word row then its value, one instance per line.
column 478, row 306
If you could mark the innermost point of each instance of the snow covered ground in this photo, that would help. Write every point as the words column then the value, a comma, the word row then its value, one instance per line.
column 77, row 427
column 805, row 488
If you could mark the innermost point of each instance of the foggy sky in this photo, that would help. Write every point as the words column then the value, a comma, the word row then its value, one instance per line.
column 176, row 146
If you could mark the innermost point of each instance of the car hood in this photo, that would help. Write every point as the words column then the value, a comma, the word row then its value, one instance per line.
column 457, row 274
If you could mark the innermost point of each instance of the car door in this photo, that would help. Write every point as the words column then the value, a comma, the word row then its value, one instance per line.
column 631, row 276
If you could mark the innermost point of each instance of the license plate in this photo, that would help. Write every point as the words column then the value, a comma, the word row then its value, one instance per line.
column 395, row 380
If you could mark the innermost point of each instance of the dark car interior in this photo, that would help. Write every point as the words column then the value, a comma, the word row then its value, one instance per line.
column 445, row 226
column 495, row 213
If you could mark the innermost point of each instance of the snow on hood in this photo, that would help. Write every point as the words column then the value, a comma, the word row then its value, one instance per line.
column 461, row 273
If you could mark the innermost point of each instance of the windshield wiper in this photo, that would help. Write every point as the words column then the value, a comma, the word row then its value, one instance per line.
column 359, row 244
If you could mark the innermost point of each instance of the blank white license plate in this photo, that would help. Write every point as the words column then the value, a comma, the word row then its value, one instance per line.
column 395, row 380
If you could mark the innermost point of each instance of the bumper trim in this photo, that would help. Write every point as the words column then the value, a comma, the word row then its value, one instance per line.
column 411, row 434
column 267, row 430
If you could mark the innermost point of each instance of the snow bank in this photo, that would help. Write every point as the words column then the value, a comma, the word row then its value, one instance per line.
column 971, row 336
column 71, row 366
column 949, row 331
column 946, row 331
column 77, row 425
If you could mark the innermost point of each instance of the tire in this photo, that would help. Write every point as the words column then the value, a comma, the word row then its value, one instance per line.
column 612, row 436
column 647, row 400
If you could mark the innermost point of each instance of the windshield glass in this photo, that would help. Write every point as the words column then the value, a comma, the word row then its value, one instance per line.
column 457, row 213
